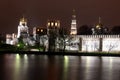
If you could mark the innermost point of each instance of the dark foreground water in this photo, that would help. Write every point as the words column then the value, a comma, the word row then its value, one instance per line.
column 43, row 67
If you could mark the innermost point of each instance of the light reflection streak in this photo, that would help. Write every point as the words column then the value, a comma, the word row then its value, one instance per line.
column 17, row 67
column 25, row 65
column 25, row 56
column 21, row 66
column 111, row 67
column 89, row 63
column 88, row 60
column 17, row 56
column 65, row 71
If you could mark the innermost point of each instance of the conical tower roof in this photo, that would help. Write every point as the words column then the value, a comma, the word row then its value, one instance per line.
column 99, row 25
column 23, row 19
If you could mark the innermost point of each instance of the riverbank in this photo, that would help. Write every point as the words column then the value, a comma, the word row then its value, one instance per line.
column 62, row 53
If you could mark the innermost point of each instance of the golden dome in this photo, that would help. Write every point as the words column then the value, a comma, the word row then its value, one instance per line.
column 99, row 25
column 23, row 20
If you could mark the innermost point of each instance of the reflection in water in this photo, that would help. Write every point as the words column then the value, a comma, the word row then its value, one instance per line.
column 110, row 68
column 20, row 67
column 89, row 68
column 17, row 67
column 65, row 71
column 109, row 64
column 43, row 67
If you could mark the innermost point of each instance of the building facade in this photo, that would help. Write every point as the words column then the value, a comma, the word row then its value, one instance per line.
column 23, row 28
column 53, row 27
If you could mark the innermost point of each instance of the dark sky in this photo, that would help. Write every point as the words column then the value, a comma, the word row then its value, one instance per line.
column 38, row 11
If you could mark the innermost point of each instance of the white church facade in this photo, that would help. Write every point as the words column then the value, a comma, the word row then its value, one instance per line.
column 23, row 33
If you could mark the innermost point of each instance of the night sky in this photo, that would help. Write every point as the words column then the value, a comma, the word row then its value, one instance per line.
column 38, row 11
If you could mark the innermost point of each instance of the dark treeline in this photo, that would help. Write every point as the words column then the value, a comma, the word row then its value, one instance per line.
column 87, row 30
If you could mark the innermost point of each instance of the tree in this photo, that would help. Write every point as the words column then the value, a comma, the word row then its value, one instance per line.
column 63, row 38
column 111, row 46
column 43, row 40
column 2, row 39
column 84, row 30
column 115, row 30
column 21, row 44
column 52, row 39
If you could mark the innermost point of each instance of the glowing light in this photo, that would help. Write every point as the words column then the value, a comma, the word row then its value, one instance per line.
column 38, row 30
column 18, row 45
column 25, row 56
column 66, row 59
column 66, row 63
column 52, row 24
column 98, row 26
column 17, row 56
column 41, row 30
column 17, row 66
column 56, row 24
column 48, row 23
column 8, row 36
column 74, row 22
column 73, row 26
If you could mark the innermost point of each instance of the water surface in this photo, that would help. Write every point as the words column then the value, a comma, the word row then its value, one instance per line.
column 43, row 67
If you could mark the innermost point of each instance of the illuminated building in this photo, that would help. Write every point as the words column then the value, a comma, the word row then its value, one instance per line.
column 50, row 38
column 11, row 39
column 99, row 28
column 22, row 35
column 22, row 28
column 40, row 35
column 39, row 31
column 53, row 27
column 73, row 30
column 14, row 39
column 8, row 38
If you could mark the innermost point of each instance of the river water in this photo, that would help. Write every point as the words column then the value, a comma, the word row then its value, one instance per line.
column 43, row 67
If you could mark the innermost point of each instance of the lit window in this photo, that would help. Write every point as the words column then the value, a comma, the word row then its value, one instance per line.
column 56, row 24
column 41, row 30
column 99, row 28
column 52, row 23
column 48, row 23
column 38, row 30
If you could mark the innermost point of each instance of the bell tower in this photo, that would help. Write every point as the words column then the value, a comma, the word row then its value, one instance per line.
column 73, row 30
column 22, row 28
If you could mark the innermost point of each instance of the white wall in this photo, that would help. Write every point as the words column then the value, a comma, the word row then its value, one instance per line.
column 90, row 44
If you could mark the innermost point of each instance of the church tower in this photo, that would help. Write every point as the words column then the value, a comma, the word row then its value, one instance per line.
column 22, row 28
column 73, row 30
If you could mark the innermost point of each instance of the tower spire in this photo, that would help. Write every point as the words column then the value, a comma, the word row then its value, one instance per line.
column 99, row 20
column 23, row 19
column 22, row 27
column 73, row 11
column 73, row 24
column 73, row 14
